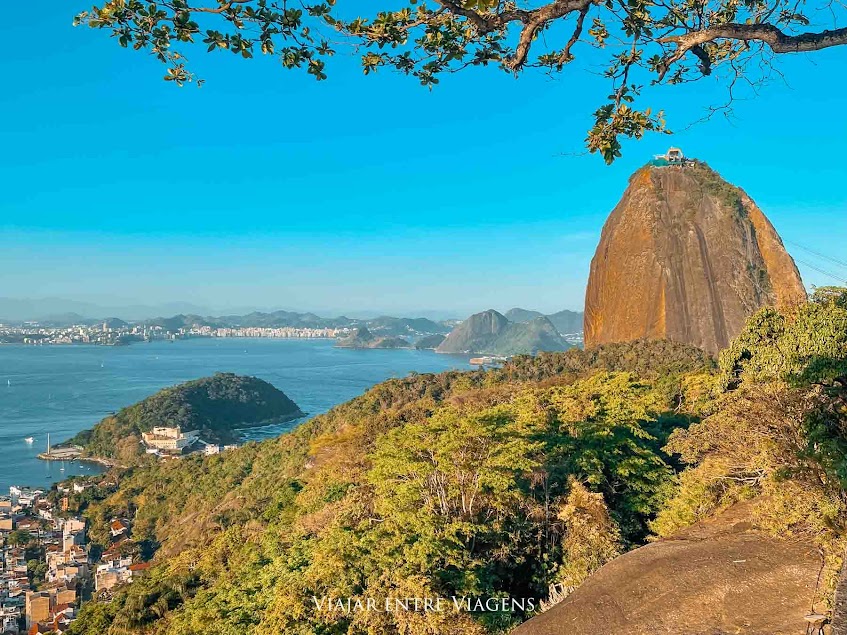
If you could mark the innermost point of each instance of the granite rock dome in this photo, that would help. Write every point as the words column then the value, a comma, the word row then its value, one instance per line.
column 688, row 257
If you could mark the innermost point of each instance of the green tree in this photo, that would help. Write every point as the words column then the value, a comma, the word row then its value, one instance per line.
column 664, row 42
column 805, row 346
column 458, row 468
column 592, row 537
column 19, row 537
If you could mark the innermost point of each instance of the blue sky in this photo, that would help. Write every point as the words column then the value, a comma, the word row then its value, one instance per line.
column 265, row 188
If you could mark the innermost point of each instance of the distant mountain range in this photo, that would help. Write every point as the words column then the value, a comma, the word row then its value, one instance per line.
column 62, row 311
column 490, row 332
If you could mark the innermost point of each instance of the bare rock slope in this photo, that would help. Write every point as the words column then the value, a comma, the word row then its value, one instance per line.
column 719, row 577
column 688, row 257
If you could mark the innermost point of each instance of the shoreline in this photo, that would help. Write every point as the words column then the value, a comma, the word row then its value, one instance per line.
column 75, row 456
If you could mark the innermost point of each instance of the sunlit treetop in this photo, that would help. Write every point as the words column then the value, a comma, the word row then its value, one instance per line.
column 647, row 41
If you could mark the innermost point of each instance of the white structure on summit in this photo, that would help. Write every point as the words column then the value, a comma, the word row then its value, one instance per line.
column 673, row 156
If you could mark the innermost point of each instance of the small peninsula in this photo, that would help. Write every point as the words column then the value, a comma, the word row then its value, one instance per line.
column 212, row 408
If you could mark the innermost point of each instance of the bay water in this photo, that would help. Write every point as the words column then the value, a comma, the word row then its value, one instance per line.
column 61, row 390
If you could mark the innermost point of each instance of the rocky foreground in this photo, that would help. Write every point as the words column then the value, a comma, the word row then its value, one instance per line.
column 723, row 576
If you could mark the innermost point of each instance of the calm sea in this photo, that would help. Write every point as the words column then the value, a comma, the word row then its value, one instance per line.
column 64, row 389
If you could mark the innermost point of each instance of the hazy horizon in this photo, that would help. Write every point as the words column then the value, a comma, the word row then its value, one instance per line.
column 19, row 309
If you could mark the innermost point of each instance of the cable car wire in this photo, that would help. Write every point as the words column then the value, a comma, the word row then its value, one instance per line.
column 818, row 254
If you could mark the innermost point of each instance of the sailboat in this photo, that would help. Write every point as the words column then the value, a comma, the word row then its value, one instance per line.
column 29, row 440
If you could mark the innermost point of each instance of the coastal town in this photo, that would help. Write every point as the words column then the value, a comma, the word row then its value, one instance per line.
column 118, row 333
column 49, row 566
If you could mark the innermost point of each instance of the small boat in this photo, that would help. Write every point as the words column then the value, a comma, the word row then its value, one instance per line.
column 29, row 440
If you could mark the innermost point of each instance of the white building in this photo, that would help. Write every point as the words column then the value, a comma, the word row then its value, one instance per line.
column 172, row 439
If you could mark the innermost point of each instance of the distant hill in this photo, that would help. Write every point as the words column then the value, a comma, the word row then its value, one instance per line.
column 386, row 325
column 522, row 315
column 476, row 334
column 115, row 323
column 530, row 337
column 180, row 321
column 363, row 338
column 491, row 333
column 567, row 321
column 215, row 405
column 430, row 342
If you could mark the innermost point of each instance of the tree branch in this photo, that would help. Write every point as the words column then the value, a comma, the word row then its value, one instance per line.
column 536, row 19
column 533, row 21
column 777, row 40
column 577, row 32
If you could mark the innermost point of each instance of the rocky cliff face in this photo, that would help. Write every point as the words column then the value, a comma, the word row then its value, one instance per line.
column 688, row 257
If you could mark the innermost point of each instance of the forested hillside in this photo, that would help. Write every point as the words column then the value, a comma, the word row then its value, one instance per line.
column 490, row 483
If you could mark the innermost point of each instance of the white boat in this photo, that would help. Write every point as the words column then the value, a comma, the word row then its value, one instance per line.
column 29, row 440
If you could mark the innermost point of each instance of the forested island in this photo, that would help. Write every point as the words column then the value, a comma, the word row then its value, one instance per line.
column 519, row 482
column 215, row 407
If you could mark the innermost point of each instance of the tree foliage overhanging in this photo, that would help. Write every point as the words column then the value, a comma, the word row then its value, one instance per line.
column 510, row 482
column 658, row 41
